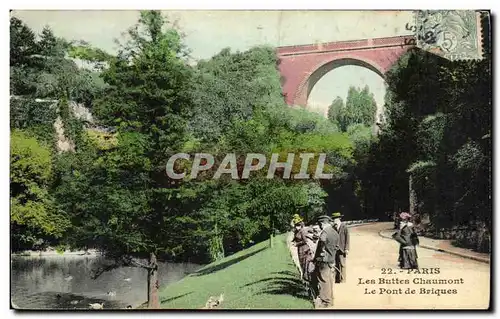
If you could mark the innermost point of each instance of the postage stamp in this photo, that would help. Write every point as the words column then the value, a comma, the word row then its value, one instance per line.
column 246, row 159
column 452, row 34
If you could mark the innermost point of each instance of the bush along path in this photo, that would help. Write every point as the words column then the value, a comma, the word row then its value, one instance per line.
column 259, row 277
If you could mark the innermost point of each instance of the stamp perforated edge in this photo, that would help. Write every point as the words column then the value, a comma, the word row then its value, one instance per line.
column 479, row 15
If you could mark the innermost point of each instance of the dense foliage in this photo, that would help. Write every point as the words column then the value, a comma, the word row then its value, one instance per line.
column 439, row 132
column 112, row 191
column 360, row 108
column 112, row 188
column 35, row 219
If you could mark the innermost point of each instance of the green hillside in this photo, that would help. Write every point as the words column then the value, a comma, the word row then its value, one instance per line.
column 256, row 278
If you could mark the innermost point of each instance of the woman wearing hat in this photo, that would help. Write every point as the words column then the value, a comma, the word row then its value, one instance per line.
column 303, row 249
column 312, row 237
column 296, row 218
column 408, row 240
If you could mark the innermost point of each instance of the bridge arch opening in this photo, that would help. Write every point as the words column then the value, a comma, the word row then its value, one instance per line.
column 334, row 78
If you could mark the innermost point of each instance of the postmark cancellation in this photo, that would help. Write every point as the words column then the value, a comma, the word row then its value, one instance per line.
column 452, row 34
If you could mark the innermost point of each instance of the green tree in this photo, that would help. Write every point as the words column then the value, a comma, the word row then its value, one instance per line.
column 360, row 108
column 148, row 99
column 22, row 42
column 51, row 46
column 439, row 121
column 23, row 47
column 231, row 87
column 41, row 70
column 368, row 106
column 34, row 217
column 414, row 75
column 336, row 111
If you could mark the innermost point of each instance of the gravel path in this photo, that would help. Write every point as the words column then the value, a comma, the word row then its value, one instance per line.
column 374, row 280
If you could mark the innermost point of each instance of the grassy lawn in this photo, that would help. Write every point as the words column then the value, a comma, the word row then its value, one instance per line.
column 256, row 278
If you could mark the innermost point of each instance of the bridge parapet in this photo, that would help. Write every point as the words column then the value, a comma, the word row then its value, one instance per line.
column 301, row 66
column 399, row 41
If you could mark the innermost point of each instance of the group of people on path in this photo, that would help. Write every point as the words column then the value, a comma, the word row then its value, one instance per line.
column 322, row 249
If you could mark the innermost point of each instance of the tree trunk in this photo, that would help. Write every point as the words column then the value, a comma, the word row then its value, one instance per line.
column 271, row 234
column 153, row 284
column 413, row 196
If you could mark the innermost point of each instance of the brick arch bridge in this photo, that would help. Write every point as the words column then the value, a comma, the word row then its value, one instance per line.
column 301, row 66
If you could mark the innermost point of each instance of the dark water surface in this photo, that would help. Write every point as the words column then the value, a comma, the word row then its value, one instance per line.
column 58, row 282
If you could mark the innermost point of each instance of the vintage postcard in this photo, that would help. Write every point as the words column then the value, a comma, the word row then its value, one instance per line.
column 221, row 160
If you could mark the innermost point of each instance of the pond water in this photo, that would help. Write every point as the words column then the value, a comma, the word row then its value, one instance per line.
column 58, row 282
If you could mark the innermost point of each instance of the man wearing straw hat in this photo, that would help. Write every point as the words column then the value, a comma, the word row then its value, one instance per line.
column 324, row 258
column 340, row 258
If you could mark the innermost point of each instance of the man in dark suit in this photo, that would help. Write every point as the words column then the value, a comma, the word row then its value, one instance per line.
column 324, row 258
column 340, row 258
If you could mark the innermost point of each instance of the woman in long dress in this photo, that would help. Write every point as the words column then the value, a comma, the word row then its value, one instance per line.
column 408, row 240
column 303, row 249
column 312, row 238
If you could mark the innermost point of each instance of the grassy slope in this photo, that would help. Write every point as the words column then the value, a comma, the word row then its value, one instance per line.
column 256, row 278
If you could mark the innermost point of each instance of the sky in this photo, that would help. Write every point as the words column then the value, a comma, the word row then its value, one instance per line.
column 208, row 32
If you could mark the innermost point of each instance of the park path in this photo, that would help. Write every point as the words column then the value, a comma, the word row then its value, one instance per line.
column 372, row 258
column 444, row 245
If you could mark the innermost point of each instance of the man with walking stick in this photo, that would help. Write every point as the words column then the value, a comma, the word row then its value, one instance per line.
column 324, row 258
